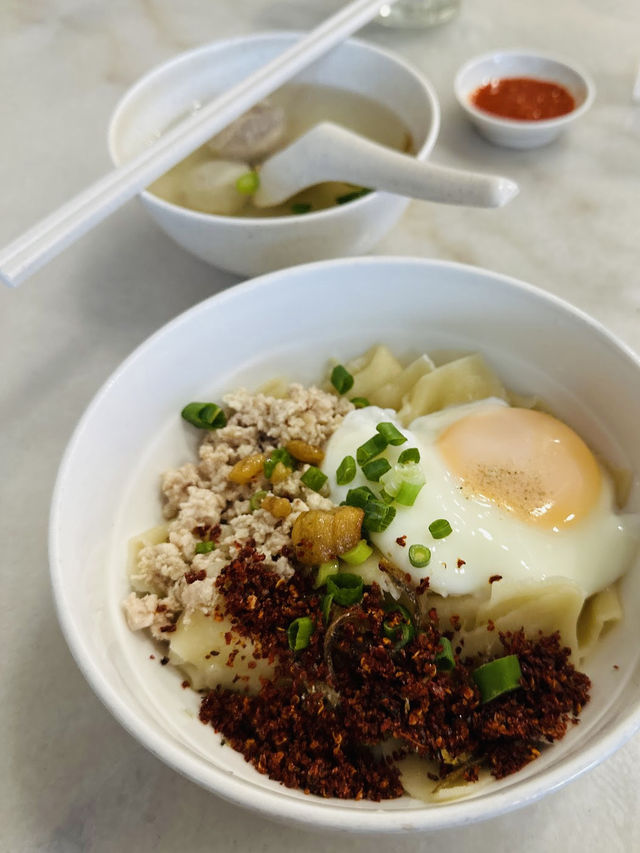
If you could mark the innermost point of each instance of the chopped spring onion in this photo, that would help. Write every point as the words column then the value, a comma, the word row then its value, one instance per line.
column 377, row 516
column 400, row 630
column 204, row 547
column 346, row 471
column 440, row 528
column 419, row 556
column 300, row 207
column 360, row 402
column 357, row 555
column 204, row 415
column 299, row 633
column 445, row 660
column 341, row 379
column 371, row 448
column 331, row 567
column 385, row 497
column 375, row 469
column 248, row 183
column 255, row 501
column 391, row 433
column 408, row 494
column 411, row 454
column 345, row 588
column 314, row 478
column 327, row 601
column 403, row 482
column 497, row 677
column 359, row 496
column 277, row 455
column 352, row 196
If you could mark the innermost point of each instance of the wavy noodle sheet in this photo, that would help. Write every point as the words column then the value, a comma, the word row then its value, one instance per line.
column 391, row 394
column 554, row 605
column 600, row 612
column 199, row 647
column 152, row 536
column 461, row 381
column 277, row 387
column 416, row 782
column 622, row 483
column 373, row 370
column 525, row 401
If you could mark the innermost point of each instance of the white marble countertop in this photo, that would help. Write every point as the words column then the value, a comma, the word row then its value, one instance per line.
column 72, row 779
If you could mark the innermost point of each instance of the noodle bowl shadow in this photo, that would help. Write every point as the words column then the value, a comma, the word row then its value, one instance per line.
column 107, row 491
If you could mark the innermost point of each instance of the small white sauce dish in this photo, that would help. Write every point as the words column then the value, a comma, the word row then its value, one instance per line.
column 250, row 246
column 516, row 133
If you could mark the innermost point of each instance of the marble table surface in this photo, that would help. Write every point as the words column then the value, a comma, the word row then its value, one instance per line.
column 72, row 779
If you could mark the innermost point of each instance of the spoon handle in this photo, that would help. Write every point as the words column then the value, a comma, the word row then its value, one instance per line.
column 47, row 238
column 329, row 152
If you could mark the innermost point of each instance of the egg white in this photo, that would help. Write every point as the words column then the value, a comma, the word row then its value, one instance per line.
column 486, row 540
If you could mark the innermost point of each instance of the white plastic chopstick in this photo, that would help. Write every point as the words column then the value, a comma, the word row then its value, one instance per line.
column 51, row 235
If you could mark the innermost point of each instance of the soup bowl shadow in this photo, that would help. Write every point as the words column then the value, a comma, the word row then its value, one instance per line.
column 251, row 246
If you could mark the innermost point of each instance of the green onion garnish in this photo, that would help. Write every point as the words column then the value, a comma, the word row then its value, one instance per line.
column 255, row 501
column 299, row 633
column 357, row 555
column 359, row 496
column 391, row 433
column 440, row 528
column 385, row 497
column 280, row 454
column 408, row 494
column 377, row 516
column 375, row 469
column 346, row 471
column 300, row 207
column 497, row 677
column 314, row 478
column 341, row 379
column 411, row 454
column 204, row 547
column 331, row 567
column 352, row 196
column 403, row 482
column 248, row 183
column 345, row 588
column 204, row 415
column 327, row 601
column 445, row 660
column 419, row 556
column 400, row 631
column 371, row 448
column 360, row 402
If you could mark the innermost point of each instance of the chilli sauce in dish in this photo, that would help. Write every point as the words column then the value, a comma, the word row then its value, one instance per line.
column 523, row 99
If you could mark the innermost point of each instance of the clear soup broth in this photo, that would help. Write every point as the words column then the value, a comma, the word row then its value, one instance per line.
column 303, row 106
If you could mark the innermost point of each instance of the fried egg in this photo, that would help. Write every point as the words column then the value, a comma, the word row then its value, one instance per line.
column 524, row 496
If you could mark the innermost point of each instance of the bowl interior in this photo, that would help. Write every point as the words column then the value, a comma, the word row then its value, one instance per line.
column 107, row 490
column 183, row 84
column 494, row 66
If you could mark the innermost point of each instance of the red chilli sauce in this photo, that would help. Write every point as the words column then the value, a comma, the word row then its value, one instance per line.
column 523, row 99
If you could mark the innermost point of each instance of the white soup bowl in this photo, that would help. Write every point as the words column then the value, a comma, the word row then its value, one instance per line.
column 249, row 246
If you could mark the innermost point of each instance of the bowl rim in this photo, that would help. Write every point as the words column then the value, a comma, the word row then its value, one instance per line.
column 312, row 813
column 271, row 221
column 523, row 125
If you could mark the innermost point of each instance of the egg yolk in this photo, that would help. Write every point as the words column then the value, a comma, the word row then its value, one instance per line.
column 526, row 462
